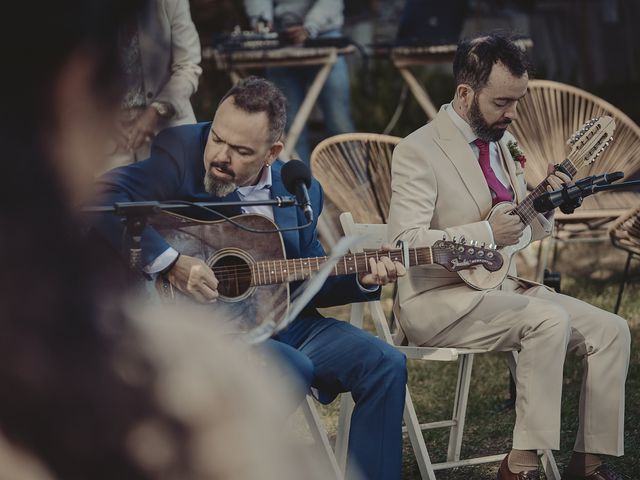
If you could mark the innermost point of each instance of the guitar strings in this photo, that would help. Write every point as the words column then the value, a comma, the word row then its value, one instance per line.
column 248, row 272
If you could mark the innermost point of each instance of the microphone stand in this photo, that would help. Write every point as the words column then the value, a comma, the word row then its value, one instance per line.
column 614, row 186
column 135, row 217
column 570, row 204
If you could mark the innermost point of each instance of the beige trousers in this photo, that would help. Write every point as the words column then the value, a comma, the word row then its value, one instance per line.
column 543, row 326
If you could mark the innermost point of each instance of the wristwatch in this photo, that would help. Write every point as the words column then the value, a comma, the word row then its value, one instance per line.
column 165, row 110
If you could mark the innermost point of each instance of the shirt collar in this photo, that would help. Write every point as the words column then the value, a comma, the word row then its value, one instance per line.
column 460, row 123
column 264, row 182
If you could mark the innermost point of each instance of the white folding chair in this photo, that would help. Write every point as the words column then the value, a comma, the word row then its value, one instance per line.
column 375, row 235
column 319, row 435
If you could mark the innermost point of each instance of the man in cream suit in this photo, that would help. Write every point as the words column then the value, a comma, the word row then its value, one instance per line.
column 446, row 177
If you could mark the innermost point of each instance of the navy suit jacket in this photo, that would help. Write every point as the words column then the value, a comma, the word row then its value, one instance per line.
column 175, row 171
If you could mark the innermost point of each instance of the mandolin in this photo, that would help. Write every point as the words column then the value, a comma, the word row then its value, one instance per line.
column 587, row 144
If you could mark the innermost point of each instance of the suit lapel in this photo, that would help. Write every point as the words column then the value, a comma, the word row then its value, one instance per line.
column 457, row 150
column 286, row 217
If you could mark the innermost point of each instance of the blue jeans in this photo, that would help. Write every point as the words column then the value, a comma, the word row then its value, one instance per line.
column 336, row 357
column 334, row 99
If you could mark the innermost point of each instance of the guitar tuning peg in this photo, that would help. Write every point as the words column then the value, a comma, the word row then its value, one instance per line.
column 454, row 239
column 463, row 240
column 483, row 244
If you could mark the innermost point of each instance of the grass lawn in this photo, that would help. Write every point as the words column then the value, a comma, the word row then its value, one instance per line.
column 589, row 272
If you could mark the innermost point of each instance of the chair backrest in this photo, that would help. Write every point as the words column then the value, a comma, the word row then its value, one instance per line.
column 625, row 231
column 355, row 172
column 552, row 111
column 373, row 235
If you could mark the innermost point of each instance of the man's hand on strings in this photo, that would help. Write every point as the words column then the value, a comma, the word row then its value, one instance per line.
column 193, row 277
column 382, row 271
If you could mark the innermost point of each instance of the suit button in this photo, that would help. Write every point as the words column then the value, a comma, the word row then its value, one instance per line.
column 149, row 94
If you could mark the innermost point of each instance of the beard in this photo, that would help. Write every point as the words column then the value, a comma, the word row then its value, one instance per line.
column 217, row 187
column 484, row 131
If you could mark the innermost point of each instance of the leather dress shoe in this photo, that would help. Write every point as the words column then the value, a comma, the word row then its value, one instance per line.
column 603, row 472
column 505, row 474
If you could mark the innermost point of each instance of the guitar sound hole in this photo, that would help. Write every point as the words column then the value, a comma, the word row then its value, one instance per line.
column 233, row 274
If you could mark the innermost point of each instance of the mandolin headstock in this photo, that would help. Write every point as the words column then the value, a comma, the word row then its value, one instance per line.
column 590, row 141
column 459, row 255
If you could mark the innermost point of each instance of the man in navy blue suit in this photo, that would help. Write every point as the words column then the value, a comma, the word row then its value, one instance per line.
column 235, row 158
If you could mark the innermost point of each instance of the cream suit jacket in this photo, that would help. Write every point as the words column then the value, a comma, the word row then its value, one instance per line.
column 439, row 190
column 170, row 54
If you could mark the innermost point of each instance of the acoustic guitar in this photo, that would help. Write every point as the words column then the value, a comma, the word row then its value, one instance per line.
column 254, row 273
column 587, row 144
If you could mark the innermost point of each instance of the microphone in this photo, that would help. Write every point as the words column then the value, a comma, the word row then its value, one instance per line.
column 569, row 197
column 296, row 177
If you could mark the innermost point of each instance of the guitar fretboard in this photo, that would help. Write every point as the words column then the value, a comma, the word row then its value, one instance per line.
column 280, row 271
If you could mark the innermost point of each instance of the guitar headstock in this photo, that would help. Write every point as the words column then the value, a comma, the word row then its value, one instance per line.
column 590, row 141
column 459, row 255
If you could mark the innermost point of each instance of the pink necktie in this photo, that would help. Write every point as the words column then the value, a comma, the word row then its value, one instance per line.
column 499, row 193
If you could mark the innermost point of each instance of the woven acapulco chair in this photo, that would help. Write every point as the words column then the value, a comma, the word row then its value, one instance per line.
column 547, row 117
column 625, row 235
column 355, row 172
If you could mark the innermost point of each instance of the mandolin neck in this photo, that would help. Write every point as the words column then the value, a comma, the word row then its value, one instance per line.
column 525, row 209
column 270, row 272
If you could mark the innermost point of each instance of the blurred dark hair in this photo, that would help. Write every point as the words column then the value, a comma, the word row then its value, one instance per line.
column 475, row 58
column 253, row 95
column 61, row 322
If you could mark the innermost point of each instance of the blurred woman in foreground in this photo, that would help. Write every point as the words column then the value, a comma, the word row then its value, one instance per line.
column 85, row 392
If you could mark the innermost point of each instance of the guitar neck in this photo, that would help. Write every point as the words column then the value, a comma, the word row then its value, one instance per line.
column 280, row 271
column 525, row 209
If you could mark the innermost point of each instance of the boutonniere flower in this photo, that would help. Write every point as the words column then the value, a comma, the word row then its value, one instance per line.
column 516, row 153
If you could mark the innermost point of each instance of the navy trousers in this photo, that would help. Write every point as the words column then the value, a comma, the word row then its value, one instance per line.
column 336, row 357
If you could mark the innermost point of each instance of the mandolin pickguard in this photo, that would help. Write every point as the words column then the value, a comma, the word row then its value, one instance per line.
column 217, row 242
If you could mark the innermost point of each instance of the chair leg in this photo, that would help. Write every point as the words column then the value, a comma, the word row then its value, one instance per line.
column 417, row 439
column 460, row 407
column 320, row 435
column 549, row 465
column 624, row 281
column 344, row 427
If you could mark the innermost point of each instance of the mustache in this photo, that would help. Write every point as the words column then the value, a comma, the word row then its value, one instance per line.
column 505, row 121
column 223, row 167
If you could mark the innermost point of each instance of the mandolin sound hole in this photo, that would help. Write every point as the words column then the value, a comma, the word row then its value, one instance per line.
column 233, row 274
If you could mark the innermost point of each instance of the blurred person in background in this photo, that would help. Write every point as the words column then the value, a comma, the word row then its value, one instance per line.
column 160, row 55
column 297, row 21
column 91, row 388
